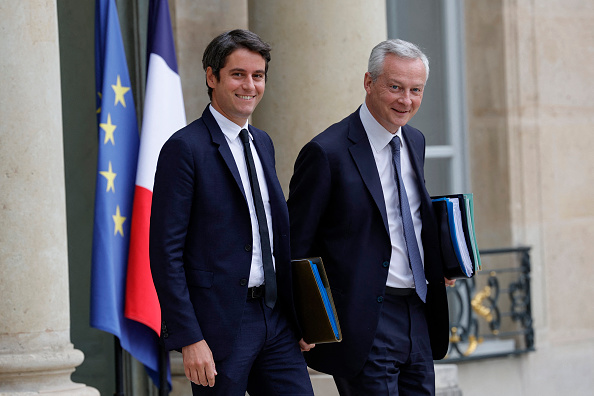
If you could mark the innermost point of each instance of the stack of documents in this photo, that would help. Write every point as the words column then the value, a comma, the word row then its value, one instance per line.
column 455, row 219
column 313, row 302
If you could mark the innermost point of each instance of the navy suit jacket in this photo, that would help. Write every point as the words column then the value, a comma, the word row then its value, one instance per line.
column 337, row 212
column 201, row 236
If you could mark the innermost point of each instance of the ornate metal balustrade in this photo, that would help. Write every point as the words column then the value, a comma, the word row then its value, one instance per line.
column 490, row 314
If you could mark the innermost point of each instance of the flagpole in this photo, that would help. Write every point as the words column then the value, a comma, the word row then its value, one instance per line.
column 119, row 368
column 163, row 358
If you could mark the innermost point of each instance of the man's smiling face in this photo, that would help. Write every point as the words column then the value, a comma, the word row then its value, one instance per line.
column 396, row 95
column 240, row 86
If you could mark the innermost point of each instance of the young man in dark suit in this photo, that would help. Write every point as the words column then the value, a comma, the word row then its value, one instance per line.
column 219, row 238
column 358, row 200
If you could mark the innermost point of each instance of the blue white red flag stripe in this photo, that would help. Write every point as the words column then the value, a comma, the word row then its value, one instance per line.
column 163, row 115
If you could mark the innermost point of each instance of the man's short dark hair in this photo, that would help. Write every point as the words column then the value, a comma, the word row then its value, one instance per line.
column 216, row 53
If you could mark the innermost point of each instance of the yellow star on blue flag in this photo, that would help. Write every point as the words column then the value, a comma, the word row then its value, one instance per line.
column 119, row 93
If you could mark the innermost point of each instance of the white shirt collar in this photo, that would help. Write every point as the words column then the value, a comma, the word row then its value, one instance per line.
column 228, row 127
column 379, row 137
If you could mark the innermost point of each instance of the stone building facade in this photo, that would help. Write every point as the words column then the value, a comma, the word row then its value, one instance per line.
column 528, row 119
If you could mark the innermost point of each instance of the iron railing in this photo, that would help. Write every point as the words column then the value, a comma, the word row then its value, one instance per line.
column 490, row 314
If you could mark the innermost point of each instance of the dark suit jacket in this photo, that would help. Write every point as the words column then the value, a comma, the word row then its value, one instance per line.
column 201, row 236
column 337, row 211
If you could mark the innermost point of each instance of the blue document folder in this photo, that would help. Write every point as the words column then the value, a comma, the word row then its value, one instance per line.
column 324, row 294
column 459, row 251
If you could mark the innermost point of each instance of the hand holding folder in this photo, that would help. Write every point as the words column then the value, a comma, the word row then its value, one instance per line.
column 313, row 302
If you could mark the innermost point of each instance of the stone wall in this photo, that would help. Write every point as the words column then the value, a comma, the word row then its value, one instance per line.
column 531, row 115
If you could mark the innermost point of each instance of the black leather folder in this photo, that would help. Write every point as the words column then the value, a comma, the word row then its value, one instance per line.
column 313, row 302
column 453, row 266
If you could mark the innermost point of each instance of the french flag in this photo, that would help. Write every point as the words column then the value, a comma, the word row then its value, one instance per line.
column 163, row 115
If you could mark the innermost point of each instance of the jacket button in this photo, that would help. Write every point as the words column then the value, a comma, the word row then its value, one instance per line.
column 248, row 248
column 385, row 264
column 380, row 299
column 164, row 332
column 243, row 282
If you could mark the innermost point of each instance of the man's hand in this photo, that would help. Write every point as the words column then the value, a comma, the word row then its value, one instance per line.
column 450, row 282
column 305, row 346
column 199, row 365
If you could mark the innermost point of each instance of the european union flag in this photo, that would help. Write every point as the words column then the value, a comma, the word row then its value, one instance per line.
column 116, row 175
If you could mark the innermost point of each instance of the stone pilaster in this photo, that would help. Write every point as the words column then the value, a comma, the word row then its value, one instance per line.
column 319, row 58
column 195, row 24
column 36, row 354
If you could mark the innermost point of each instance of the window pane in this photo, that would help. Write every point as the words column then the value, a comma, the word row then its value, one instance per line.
column 420, row 22
column 438, row 176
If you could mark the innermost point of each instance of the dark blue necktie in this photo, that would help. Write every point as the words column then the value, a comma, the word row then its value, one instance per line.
column 269, row 274
column 414, row 257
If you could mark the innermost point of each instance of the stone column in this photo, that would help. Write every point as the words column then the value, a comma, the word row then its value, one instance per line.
column 35, row 350
column 195, row 24
column 319, row 58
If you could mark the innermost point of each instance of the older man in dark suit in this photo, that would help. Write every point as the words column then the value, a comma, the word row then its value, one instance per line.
column 219, row 238
column 358, row 200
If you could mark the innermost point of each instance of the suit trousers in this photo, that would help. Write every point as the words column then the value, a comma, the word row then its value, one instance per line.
column 400, row 361
column 265, row 361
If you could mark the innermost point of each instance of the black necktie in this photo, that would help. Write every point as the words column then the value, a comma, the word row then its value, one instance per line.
column 269, row 274
column 414, row 256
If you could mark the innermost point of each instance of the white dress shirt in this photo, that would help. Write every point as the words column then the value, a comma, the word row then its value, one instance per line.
column 399, row 274
column 231, row 132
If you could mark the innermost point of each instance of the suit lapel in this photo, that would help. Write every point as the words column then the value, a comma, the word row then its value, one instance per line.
column 278, row 207
column 218, row 138
column 363, row 157
column 267, row 160
column 416, row 153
